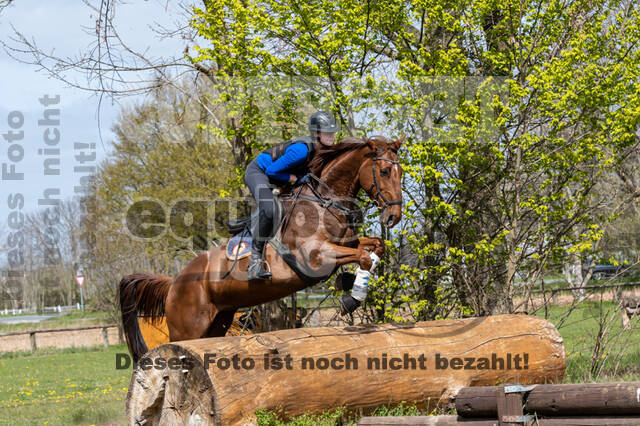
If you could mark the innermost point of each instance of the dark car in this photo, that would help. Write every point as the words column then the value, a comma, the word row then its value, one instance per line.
column 606, row 270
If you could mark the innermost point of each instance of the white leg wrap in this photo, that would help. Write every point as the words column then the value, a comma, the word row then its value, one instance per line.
column 361, row 283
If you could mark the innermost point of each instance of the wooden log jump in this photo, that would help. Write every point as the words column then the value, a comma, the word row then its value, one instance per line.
column 224, row 380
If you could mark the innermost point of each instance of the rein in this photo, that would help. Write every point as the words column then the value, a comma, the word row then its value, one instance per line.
column 353, row 215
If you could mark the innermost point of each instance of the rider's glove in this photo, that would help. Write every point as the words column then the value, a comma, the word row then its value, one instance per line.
column 304, row 179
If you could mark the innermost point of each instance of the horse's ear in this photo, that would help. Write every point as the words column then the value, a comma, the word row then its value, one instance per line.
column 397, row 143
column 371, row 143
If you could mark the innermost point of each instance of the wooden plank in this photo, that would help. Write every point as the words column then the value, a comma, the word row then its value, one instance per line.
column 589, row 421
column 425, row 421
column 32, row 338
column 589, row 287
column 480, row 401
column 455, row 420
column 509, row 407
column 55, row 330
column 556, row 400
column 586, row 399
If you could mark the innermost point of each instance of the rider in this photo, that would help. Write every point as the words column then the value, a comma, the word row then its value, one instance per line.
column 275, row 166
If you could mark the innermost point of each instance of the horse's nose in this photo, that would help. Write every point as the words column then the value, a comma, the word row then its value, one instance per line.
column 391, row 220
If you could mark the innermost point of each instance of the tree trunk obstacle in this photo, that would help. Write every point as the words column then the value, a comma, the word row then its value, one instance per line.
column 225, row 380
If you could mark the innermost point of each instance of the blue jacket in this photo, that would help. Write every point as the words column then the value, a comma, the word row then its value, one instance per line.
column 280, row 170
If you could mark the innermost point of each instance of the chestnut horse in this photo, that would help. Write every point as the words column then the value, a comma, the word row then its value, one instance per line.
column 202, row 299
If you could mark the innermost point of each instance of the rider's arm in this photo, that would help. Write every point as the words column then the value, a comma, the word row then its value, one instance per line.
column 295, row 155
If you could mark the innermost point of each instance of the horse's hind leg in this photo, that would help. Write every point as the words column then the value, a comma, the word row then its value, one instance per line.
column 188, row 309
column 220, row 324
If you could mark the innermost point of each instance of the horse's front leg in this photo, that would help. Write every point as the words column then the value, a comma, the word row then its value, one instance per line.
column 344, row 255
column 374, row 244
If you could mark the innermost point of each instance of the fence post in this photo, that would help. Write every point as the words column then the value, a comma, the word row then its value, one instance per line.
column 105, row 337
column 509, row 405
column 32, row 338
column 618, row 292
column 554, row 297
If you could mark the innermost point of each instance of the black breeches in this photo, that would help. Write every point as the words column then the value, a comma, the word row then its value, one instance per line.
column 261, row 188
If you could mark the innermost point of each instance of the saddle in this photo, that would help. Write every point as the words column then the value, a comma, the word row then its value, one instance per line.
column 239, row 246
column 236, row 226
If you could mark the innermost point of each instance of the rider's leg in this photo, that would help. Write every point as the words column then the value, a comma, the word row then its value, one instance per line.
column 262, row 229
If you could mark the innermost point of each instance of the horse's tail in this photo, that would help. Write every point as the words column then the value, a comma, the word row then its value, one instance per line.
column 145, row 295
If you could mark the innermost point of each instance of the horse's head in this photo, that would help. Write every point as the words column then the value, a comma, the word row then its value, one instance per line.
column 381, row 176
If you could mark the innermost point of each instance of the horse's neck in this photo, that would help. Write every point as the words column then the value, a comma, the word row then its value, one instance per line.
column 341, row 175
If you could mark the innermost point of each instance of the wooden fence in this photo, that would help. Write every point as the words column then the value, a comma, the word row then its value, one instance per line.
column 32, row 334
column 513, row 404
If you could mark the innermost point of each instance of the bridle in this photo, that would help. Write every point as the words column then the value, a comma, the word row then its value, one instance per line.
column 378, row 192
column 354, row 215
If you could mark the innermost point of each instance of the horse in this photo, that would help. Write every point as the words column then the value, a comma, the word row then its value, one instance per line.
column 201, row 301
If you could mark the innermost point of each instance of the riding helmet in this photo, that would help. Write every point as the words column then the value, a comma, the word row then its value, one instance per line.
column 322, row 121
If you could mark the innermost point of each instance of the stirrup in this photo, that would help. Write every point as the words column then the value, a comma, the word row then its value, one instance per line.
column 261, row 271
column 264, row 262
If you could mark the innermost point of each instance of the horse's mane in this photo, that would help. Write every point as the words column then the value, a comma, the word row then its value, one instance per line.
column 325, row 154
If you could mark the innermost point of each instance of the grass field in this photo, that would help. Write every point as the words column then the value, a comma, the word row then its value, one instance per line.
column 68, row 386
column 620, row 357
column 82, row 386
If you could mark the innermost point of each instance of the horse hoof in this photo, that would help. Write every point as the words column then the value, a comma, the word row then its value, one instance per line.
column 344, row 281
column 349, row 304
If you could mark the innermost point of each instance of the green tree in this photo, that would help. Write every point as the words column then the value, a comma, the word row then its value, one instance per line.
column 501, row 168
column 162, row 153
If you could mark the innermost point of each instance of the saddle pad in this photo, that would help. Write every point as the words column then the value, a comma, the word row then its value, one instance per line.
column 239, row 246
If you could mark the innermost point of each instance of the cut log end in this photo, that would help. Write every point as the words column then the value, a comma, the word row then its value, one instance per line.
column 176, row 390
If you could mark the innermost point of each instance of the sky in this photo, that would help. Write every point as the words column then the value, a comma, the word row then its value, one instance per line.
column 83, row 135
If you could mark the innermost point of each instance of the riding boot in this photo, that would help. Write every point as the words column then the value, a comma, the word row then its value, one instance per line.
column 260, row 232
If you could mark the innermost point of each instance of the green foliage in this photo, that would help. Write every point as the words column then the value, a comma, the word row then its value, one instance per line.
column 162, row 153
column 328, row 418
column 402, row 409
